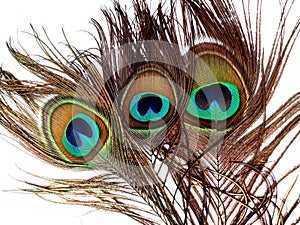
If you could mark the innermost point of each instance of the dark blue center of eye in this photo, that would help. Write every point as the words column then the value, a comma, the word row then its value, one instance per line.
column 75, row 128
column 149, row 102
column 215, row 92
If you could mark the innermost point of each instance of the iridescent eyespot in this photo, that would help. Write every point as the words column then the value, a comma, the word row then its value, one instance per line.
column 77, row 132
column 81, row 135
column 149, row 107
column 219, row 96
column 149, row 100
column 216, row 101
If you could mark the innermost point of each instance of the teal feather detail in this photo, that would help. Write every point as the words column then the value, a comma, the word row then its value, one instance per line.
column 217, row 105
column 81, row 135
column 149, row 106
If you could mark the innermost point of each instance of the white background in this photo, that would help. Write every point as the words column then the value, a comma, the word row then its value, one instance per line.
column 15, row 17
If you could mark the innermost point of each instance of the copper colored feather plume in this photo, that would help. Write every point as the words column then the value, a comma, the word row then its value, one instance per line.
column 169, row 108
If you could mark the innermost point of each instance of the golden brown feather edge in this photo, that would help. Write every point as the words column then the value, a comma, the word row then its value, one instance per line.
column 164, row 109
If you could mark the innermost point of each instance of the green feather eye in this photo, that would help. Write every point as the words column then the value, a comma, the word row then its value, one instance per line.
column 149, row 100
column 76, row 132
column 219, row 96
column 216, row 101
column 149, row 106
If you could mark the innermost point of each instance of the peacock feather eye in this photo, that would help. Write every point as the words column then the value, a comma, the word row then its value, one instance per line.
column 81, row 135
column 149, row 100
column 219, row 96
column 149, row 107
column 216, row 102
column 77, row 132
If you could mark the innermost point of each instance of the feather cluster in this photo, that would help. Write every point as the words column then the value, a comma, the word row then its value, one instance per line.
column 137, row 109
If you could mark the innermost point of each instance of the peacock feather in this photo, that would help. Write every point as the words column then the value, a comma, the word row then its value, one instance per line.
column 169, row 111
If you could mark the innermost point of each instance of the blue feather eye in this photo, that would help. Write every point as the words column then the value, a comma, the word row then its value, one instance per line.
column 149, row 107
column 81, row 135
column 216, row 102
column 219, row 96
column 77, row 132
column 149, row 100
